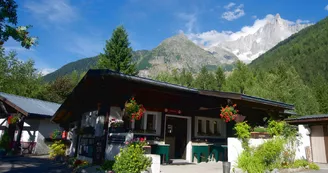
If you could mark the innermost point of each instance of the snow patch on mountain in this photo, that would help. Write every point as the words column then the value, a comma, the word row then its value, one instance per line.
column 251, row 41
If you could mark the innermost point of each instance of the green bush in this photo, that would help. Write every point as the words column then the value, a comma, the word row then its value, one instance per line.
column 107, row 165
column 276, row 128
column 131, row 160
column 260, row 129
column 247, row 162
column 4, row 141
column 243, row 132
column 269, row 152
column 300, row 163
column 57, row 149
column 313, row 166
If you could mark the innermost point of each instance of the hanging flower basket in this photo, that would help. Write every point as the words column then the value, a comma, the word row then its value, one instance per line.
column 239, row 118
column 115, row 122
column 13, row 119
column 133, row 110
column 229, row 113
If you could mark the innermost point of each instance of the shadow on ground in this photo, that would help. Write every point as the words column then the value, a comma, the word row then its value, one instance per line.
column 31, row 164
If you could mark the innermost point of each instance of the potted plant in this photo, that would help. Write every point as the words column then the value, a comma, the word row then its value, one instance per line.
column 229, row 113
column 133, row 110
column 13, row 119
column 239, row 118
column 116, row 126
column 56, row 134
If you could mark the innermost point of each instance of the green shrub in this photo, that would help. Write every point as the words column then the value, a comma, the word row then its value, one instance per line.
column 300, row 163
column 4, row 141
column 57, row 149
column 276, row 128
column 131, row 160
column 247, row 162
column 270, row 152
column 107, row 165
column 243, row 132
column 260, row 129
column 313, row 166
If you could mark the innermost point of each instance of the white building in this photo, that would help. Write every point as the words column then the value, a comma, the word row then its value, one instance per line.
column 37, row 126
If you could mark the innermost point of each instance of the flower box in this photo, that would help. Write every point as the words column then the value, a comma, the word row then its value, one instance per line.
column 116, row 130
column 260, row 135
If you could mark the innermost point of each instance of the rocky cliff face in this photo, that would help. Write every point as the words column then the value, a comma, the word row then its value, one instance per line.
column 179, row 52
column 249, row 47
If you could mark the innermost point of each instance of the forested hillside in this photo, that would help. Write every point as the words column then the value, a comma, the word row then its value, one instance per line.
column 79, row 66
column 306, row 50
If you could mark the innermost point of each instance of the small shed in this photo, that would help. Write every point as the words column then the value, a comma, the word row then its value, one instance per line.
column 317, row 125
column 34, row 127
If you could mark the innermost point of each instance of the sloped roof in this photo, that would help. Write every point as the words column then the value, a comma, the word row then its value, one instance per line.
column 30, row 106
column 321, row 118
column 82, row 99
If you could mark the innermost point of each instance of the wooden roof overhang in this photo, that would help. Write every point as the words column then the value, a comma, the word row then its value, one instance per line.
column 111, row 88
column 4, row 109
column 310, row 120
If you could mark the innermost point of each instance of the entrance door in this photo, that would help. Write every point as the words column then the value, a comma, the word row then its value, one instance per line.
column 176, row 136
column 318, row 144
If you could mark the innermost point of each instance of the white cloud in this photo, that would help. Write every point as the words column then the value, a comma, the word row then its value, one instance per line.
column 190, row 20
column 54, row 11
column 45, row 71
column 300, row 21
column 326, row 8
column 213, row 37
column 228, row 6
column 235, row 13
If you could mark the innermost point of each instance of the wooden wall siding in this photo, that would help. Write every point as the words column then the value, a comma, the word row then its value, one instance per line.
column 325, row 133
column 318, row 144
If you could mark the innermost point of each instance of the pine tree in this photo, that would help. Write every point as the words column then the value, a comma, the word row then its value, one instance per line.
column 240, row 80
column 205, row 80
column 118, row 53
column 220, row 78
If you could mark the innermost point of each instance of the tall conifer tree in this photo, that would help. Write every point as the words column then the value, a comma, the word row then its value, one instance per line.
column 118, row 53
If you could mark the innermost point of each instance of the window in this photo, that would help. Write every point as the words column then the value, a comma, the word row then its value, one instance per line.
column 200, row 127
column 209, row 127
column 149, row 123
column 138, row 125
column 215, row 127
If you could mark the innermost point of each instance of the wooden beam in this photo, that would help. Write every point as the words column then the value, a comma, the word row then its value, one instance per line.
column 13, row 106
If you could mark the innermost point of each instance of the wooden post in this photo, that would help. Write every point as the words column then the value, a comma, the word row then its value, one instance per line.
column 20, row 126
column 77, row 138
column 101, row 142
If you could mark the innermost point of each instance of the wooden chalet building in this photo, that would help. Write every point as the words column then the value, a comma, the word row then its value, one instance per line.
column 176, row 116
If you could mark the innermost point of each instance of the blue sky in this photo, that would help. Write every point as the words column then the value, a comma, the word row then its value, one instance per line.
column 69, row 30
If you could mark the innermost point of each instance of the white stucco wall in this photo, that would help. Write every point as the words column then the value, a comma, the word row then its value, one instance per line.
column 305, row 141
column 235, row 148
column 35, row 130
column 46, row 127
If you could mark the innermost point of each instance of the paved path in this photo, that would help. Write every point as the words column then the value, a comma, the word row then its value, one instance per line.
column 31, row 164
column 193, row 168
